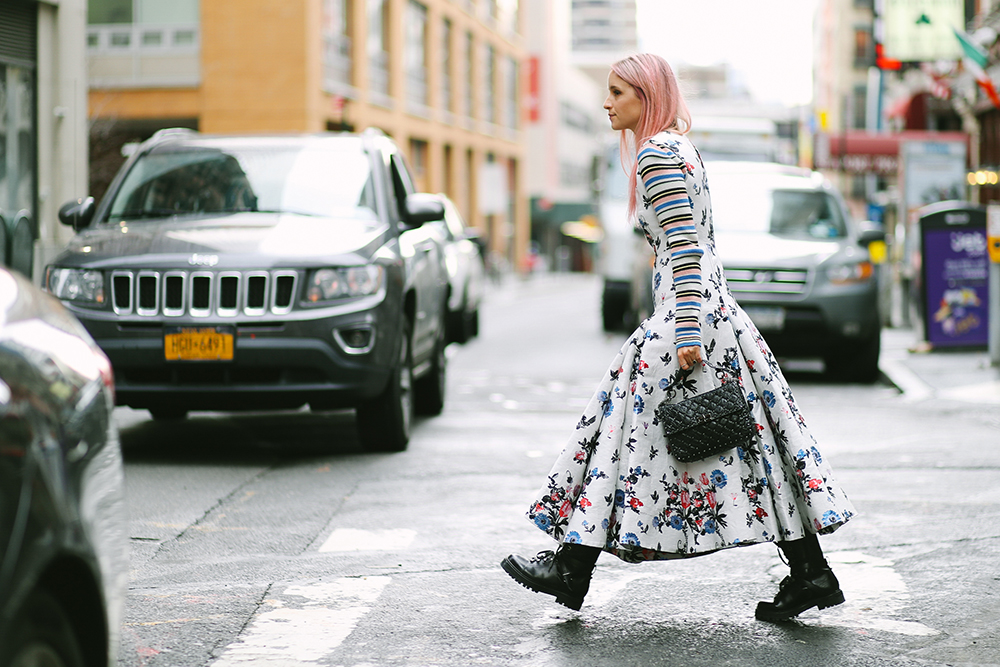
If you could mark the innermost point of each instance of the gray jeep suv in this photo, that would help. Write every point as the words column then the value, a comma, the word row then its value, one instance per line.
column 265, row 272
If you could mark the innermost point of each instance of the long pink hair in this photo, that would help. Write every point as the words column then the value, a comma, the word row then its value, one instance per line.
column 663, row 108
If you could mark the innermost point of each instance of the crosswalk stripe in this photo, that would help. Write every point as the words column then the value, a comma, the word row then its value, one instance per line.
column 353, row 539
column 306, row 624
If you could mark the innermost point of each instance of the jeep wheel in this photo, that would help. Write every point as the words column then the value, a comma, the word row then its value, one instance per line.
column 429, row 391
column 41, row 634
column 384, row 422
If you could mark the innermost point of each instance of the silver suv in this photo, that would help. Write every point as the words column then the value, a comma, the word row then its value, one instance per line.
column 798, row 264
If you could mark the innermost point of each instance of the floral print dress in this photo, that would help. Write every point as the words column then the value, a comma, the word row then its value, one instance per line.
column 615, row 486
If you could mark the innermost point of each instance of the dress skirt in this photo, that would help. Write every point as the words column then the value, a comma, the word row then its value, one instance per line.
column 615, row 485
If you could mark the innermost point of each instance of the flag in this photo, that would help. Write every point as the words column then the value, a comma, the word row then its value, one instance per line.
column 975, row 60
column 938, row 85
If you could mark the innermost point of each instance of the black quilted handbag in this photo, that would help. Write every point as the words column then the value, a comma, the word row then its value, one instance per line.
column 708, row 424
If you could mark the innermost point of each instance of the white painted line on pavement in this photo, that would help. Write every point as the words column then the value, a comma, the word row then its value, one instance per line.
column 353, row 539
column 987, row 392
column 876, row 595
column 301, row 636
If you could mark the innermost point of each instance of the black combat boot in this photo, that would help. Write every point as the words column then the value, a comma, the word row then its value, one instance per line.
column 810, row 584
column 564, row 573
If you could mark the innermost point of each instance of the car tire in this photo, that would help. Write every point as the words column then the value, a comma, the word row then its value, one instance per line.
column 168, row 414
column 385, row 422
column 458, row 330
column 41, row 634
column 429, row 391
column 856, row 361
column 470, row 322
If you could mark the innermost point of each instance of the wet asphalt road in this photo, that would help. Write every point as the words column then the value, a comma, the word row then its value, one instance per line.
column 272, row 539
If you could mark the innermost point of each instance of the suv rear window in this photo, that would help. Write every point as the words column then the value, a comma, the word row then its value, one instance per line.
column 181, row 180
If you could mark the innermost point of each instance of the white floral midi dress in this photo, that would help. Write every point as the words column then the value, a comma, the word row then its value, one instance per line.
column 615, row 486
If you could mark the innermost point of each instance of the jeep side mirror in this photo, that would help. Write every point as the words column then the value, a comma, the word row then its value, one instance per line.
column 78, row 213
column 870, row 232
column 423, row 207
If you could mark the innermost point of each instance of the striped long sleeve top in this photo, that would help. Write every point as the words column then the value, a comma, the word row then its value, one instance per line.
column 662, row 173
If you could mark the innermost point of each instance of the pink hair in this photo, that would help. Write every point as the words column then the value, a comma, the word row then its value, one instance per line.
column 663, row 108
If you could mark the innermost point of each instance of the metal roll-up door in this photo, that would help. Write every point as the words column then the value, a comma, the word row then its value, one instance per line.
column 19, row 32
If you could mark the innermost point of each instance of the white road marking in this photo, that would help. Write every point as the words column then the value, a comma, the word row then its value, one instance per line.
column 318, row 618
column 876, row 595
column 987, row 392
column 353, row 539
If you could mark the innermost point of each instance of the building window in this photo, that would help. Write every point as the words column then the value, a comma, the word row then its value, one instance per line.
column 864, row 47
column 575, row 118
column 418, row 163
column 511, row 96
column 337, row 47
column 123, row 25
column 858, row 112
column 470, row 75
column 109, row 11
column 416, row 55
column 507, row 16
column 446, row 101
column 378, row 58
column 489, row 83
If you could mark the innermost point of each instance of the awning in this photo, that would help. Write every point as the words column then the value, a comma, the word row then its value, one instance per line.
column 863, row 152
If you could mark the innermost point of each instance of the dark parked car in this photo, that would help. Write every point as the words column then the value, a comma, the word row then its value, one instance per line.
column 463, row 257
column 798, row 264
column 265, row 272
column 63, row 543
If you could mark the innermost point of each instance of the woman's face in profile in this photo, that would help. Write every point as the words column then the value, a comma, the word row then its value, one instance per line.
column 622, row 104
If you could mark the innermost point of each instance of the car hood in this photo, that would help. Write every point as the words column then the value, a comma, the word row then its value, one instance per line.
column 760, row 249
column 286, row 236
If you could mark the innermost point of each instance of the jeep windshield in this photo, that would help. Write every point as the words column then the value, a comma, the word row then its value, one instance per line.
column 329, row 178
column 745, row 204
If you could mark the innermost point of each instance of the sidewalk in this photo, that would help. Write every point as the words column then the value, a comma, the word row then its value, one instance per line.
column 954, row 375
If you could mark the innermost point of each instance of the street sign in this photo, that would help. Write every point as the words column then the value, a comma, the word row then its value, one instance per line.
column 922, row 30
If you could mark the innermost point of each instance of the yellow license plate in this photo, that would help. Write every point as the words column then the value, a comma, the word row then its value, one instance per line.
column 198, row 344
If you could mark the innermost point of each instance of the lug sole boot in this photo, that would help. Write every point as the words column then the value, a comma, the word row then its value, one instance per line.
column 810, row 585
column 557, row 573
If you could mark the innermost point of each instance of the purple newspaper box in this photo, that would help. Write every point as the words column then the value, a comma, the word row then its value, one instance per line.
column 955, row 273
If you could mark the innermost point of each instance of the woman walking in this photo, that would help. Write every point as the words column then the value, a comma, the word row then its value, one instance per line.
column 616, row 487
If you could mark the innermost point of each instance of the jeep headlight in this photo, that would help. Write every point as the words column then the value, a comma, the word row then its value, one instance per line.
column 344, row 283
column 84, row 285
column 845, row 274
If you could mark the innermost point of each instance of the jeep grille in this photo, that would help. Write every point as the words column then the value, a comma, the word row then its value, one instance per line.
column 203, row 293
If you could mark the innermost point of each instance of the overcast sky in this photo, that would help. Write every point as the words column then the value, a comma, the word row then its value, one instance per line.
column 768, row 41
